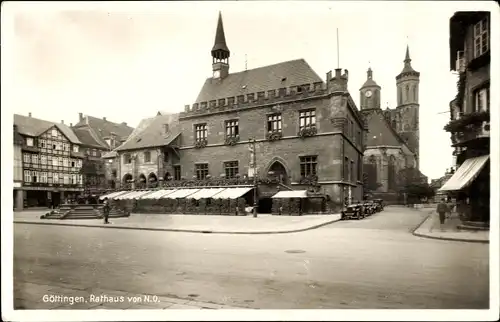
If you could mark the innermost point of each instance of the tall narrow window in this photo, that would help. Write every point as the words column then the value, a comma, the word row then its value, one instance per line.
column 35, row 160
column 200, row 132
column 274, row 123
column 347, row 176
column 43, row 177
column 308, row 165
column 482, row 100
column 352, row 177
column 307, row 119
column 481, row 38
column 231, row 169
column 201, row 171
column 232, row 128
column 177, row 172
column 27, row 176
column 26, row 158
column 55, row 178
column 147, row 156
column 43, row 159
column 127, row 158
column 34, row 177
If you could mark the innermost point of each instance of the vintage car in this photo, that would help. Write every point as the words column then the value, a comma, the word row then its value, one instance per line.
column 353, row 211
column 369, row 207
column 379, row 203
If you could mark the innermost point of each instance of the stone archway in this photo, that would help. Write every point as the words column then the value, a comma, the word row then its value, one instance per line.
column 126, row 178
column 278, row 170
column 152, row 179
column 142, row 181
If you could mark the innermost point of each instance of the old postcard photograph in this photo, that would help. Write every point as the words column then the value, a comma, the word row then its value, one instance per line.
column 250, row 160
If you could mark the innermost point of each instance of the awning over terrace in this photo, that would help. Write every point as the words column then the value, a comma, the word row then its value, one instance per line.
column 158, row 194
column 205, row 193
column 291, row 194
column 113, row 194
column 181, row 193
column 232, row 193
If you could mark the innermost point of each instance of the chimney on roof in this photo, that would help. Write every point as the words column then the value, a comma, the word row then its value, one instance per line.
column 70, row 124
column 80, row 116
column 62, row 121
column 124, row 123
column 29, row 114
column 104, row 118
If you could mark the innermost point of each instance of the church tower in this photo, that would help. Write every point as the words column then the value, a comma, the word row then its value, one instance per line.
column 220, row 53
column 407, row 123
column 369, row 93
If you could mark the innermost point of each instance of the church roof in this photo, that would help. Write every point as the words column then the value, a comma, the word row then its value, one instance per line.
column 220, row 38
column 285, row 74
column 150, row 133
column 380, row 132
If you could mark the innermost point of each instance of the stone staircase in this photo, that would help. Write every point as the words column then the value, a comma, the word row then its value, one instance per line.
column 92, row 211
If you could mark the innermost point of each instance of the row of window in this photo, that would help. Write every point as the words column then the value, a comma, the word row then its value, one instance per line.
column 52, row 177
column 52, row 144
column 308, row 167
column 36, row 159
column 307, row 118
column 127, row 157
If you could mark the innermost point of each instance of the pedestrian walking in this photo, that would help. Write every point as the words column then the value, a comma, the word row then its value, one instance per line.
column 442, row 209
column 105, row 210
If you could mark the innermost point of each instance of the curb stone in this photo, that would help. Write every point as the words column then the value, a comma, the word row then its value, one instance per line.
column 184, row 230
column 414, row 233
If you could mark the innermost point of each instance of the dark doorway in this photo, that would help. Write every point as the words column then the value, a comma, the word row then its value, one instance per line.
column 278, row 171
column 56, row 199
column 265, row 206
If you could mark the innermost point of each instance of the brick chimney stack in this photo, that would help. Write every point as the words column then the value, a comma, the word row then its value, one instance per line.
column 29, row 114
column 80, row 116
column 104, row 118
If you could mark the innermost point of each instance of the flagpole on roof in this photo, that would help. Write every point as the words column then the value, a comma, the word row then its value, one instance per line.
column 338, row 50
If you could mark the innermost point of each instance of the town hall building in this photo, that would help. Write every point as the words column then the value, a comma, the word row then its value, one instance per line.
column 281, row 123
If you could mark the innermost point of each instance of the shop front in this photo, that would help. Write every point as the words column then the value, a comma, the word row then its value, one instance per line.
column 470, row 187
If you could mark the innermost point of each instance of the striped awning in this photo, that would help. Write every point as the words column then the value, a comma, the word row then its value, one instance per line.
column 465, row 174
column 181, row 193
column 134, row 195
column 291, row 194
column 158, row 194
column 205, row 193
column 113, row 194
column 232, row 193
column 123, row 195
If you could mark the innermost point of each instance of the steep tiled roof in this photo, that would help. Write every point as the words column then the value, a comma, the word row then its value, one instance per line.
column 86, row 137
column 104, row 128
column 380, row 131
column 31, row 126
column 150, row 133
column 285, row 74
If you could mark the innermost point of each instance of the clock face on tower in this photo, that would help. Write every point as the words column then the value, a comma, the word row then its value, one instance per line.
column 216, row 74
column 368, row 93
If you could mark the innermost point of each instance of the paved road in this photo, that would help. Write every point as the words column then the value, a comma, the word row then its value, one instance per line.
column 372, row 263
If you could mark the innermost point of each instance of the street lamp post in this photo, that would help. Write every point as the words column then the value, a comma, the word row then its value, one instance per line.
column 254, row 161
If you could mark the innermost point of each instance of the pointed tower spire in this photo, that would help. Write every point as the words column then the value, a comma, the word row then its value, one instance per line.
column 220, row 38
column 407, row 58
column 220, row 52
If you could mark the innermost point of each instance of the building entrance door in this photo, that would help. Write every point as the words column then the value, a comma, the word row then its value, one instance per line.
column 278, row 171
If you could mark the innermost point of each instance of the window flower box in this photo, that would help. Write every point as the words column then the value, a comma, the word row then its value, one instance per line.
column 274, row 135
column 308, row 131
column 199, row 144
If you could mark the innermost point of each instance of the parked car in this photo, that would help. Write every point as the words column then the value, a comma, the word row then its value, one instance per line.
column 369, row 207
column 353, row 211
column 379, row 203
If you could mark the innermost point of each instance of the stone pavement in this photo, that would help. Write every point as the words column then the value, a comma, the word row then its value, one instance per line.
column 264, row 224
column 46, row 297
column 432, row 228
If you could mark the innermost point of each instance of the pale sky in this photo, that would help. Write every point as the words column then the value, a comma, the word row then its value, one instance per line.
column 126, row 61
